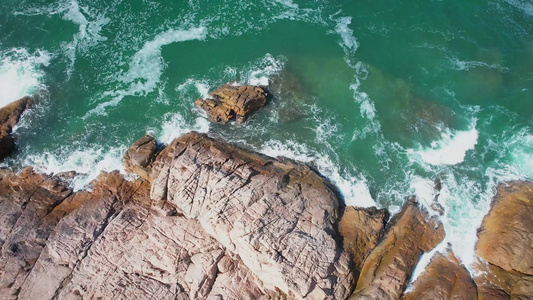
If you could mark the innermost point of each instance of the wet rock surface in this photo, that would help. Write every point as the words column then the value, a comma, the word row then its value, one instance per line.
column 444, row 278
column 140, row 155
column 230, row 102
column 257, row 228
column 505, row 243
column 208, row 220
column 9, row 117
column 386, row 272
column 362, row 230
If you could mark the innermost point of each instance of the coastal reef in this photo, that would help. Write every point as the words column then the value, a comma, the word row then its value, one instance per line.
column 204, row 219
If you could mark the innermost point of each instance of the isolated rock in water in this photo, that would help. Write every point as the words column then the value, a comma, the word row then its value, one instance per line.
column 276, row 215
column 362, row 230
column 140, row 155
column 387, row 270
column 505, row 242
column 9, row 117
column 233, row 102
column 444, row 278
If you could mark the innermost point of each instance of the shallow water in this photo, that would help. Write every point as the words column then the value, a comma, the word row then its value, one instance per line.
column 382, row 97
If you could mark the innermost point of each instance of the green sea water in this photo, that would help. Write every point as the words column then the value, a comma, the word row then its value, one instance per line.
column 382, row 97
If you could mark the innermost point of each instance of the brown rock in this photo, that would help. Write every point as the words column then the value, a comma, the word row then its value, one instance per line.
column 9, row 117
column 362, row 229
column 257, row 228
column 444, row 278
column 505, row 238
column 505, row 243
column 276, row 215
column 140, row 155
column 232, row 102
column 30, row 207
column 387, row 270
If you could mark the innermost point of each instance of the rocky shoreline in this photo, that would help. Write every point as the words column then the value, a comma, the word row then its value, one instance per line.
column 205, row 219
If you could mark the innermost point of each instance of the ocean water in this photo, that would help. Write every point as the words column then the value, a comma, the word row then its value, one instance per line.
column 383, row 97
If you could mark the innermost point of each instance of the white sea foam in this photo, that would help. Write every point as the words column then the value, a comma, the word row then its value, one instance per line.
column 451, row 149
column 175, row 125
column 88, row 34
column 367, row 110
column 353, row 188
column 261, row 71
column 288, row 3
column 461, row 65
column 147, row 65
column 88, row 162
column 21, row 73
column 349, row 42
column 202, row 87
column 523, row 5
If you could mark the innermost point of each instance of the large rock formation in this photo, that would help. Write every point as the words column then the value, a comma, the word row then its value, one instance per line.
column 230, row 102
column 276, row 215
column 213, row 221
column 223, row 223
column 505, row 242
column 387, row 270
column 139, row 157
column 362, row 230
column 9, row 117
column 444, row 278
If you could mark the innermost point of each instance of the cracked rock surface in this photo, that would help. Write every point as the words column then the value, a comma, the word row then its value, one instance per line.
column 387, row 270
column 218, row 222
column 230, row 102
column 505, row 243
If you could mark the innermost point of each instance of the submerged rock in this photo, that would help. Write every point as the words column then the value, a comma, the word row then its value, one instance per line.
column 505, row 243
column 230, row 102
column 9, row 117
column 444, row 278
column 387, row 270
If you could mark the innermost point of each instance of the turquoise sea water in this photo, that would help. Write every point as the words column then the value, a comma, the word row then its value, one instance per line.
column 383, row 97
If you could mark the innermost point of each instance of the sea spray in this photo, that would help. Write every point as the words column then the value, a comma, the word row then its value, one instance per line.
column 21, row 73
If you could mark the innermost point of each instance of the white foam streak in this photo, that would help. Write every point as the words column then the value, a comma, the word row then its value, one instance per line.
column 147, row 65
column 523, row 5
column 460, row 65
column 349, row 42
column 267, row 66
column 450, row 149
column 354, row 189
column 88, row 163
column 201, row 86
column 175, row 125
column 21, row 74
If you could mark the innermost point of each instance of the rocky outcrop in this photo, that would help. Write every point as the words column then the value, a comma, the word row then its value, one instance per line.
column 362, row 230
column 140, row 155
column 232, row 225
column 505, row 243
column 230, row 102
column 387, row 270
column 444, row 278
column 208, row 220
column 9, row 117
column 276, row 215
column 30, row 206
